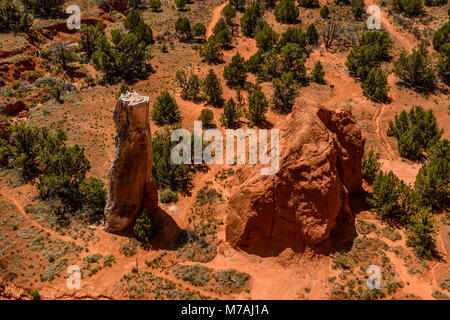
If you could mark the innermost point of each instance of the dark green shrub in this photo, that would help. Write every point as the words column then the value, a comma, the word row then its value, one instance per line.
column 213, row 89
column 441, row 36
column 165, row 109
column 207, row 118
column 35, row 295
column 318, row 73
column 375, row 86
column 409, row 7
column 230, row 114
column 183, row 26
column 198, row 30
column 165, row 173
column 12, row 19
column 181, row 4
column 309, row 3
column 370, row 165
column 222, row 33
column 415, row 131
column 155, row 5
column 285, row 90
column 235, row 72
column 416, row 69
column 391, row 198
column 257, row 107
column 420, row 234
column 251, row 20
column 293, row 60
column 266, row 38
column 145, row 228
column 229, row 12
column 293, row 35
column 239, row 5
column 433, row 182
column 45, row 8
column 89, row 36
column 358, row 8
column 124, row 58
column 371, row 50
column 168, row 196
column 311, row 34
column 211, row 51
column 286, row 11
column 324, row 12
column 444, row 63
column 93, row 193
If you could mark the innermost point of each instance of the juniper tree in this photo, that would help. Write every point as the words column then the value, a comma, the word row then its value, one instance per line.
column 251, row 20
column 206, row 117
column 165, row 109
column 183, row 26
column 229, row 12
column 235, row 72
column 12, row 19
column 416, row 69
column 213, row 89
column 285, row 90
column 211, row 51
column 375, row 86
column 311, row 34
column 266, row 38
column 198, row 30
column 318, row 73
column 222, row 33
column 230, row 114
column 257, row 107
column 286, row 11
column 324, row 12
column 89, row 36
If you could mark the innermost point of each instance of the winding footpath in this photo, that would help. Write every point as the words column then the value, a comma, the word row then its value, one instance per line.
column 214, row 19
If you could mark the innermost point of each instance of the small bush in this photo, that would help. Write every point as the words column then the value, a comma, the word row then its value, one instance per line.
column 165, row 109
column 168, row 196
column 145, row 227
column 324, row 12
column 375, row 86
column 207, row 118
column 370, row 165
column 35, row 295
column 286, row 11
column 416, row 69
column 318, row 74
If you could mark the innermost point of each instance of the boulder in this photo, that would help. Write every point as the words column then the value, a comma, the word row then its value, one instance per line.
column 130, row 186
column 12, row 109
column 320, row 167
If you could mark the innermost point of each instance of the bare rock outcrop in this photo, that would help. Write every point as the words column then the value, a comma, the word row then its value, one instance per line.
column 130, row 186
column 320, row 166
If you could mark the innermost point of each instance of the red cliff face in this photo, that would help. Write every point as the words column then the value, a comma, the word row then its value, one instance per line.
column 130, row 186
column 320, row 166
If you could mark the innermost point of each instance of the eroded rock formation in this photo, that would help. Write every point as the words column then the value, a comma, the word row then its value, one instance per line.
column 320, row 166
column 130, row 186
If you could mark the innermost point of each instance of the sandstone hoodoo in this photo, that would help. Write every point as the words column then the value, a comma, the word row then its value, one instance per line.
column 130, row 186
column 320, row 167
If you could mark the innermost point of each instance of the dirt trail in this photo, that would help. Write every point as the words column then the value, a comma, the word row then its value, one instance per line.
column 377, row 117
column 215, row 17
column 53, row 233
column 402, row 38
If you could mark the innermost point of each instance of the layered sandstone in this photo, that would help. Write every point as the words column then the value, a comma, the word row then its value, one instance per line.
column 320, row 166
column 130, row 186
